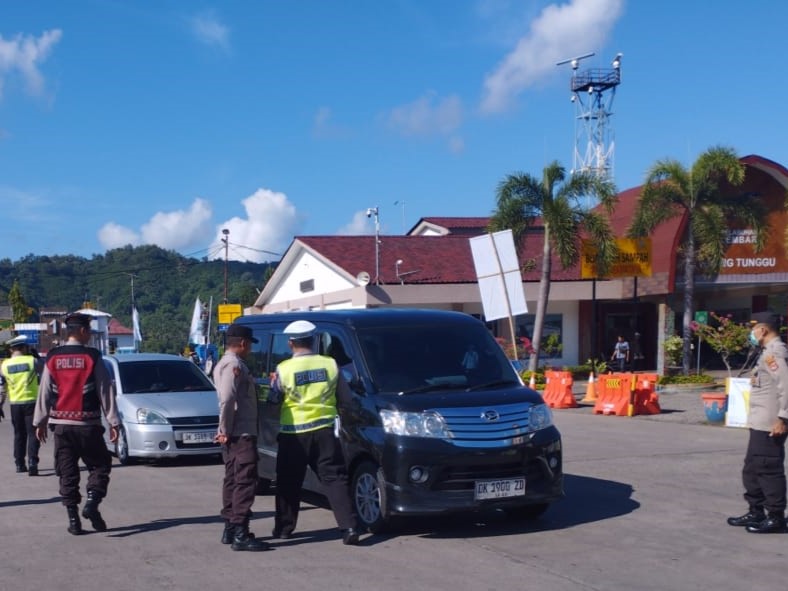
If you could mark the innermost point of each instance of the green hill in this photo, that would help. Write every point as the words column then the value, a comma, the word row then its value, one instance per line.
column 165, row 283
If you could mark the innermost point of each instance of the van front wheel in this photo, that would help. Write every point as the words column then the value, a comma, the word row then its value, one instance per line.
column 368, row 493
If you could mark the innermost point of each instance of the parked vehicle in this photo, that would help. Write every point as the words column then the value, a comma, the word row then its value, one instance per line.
column 167, row 407
column 426, row 432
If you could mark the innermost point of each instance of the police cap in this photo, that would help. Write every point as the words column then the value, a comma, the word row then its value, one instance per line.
column 17, row 341
column 300, row 329
column 241, row 332
column 78, row 319
column 769, row 318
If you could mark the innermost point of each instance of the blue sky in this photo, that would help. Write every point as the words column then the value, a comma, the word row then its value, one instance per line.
column 139, row 122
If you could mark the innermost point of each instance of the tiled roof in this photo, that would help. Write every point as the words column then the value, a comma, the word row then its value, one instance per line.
column 451, row 223
column 436, row 259
column 116, row 328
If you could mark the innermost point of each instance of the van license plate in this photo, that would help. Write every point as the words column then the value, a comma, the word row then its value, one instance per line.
column 499, row 489
column 199, row 437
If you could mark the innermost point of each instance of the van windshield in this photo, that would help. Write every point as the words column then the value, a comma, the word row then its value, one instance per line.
column 415, row 358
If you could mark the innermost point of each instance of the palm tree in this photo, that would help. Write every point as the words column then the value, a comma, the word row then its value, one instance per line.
column 522, row 200
column 705, row 196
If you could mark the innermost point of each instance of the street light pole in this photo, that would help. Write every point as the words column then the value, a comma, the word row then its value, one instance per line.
column 226, row 241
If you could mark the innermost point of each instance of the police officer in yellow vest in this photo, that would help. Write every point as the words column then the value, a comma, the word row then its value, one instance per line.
column 19, row 383
column 308, row 386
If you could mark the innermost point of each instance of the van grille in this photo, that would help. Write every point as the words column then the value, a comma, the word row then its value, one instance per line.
column 486, row 426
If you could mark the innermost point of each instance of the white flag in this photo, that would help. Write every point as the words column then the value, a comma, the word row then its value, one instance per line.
column 135, row 319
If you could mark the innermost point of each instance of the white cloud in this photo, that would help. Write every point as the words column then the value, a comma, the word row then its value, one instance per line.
column 208, row 29
column 325, row 127
column 174, row 230
column 427, row 115
column 266, row 232
column 561, row 31
column 112, row 235
column 360, row 225
column 23, row 54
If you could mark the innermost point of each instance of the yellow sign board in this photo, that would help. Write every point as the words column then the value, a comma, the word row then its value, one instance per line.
column 229, row 312
column 633, row 259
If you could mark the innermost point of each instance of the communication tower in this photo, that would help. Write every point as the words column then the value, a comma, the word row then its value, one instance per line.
column 593, row 91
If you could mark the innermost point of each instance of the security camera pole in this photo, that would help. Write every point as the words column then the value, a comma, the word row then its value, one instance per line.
column 370, row 212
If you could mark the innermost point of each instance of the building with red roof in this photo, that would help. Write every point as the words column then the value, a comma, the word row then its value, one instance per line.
column 432, row 266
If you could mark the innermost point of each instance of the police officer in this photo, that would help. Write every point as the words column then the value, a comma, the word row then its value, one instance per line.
column 308, row 386
column 237, row 434
column 763, row 474
column 75, row 390
column 19, row 383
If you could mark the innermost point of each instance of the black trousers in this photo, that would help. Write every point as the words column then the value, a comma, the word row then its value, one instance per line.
column 240, row 478
column 763, row 474
column 322, row 452
column 86, row 443
column 25, row 442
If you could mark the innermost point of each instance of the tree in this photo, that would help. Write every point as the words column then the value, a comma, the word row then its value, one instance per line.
column 522, row 201
column 727, row 338
column 19, row 308
column 705, row 196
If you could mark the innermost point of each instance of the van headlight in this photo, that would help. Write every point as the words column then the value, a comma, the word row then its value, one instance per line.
column 539, row 417
column 150, row 417
column 414, row 424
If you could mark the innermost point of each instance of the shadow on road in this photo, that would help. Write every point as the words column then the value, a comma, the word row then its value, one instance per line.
column 24, row 502
column 160, row 524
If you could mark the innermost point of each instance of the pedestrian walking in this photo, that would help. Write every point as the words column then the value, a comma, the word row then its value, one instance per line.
column 763, row 474
column 237, row 434
column 308, row 386
column 621, row 353
column 75, row 390
column 19, row 375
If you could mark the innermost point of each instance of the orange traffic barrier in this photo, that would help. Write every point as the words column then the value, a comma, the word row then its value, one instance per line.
column 614, row 396
column 645, row 397
column 532, row 382
column 558, row 390
column 590, row 389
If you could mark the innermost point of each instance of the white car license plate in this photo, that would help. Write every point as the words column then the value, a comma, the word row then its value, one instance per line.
column 199, row 437
column 499, row 489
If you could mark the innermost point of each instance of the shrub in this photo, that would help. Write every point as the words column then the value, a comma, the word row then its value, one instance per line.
column 674, row 349
column 690, row 379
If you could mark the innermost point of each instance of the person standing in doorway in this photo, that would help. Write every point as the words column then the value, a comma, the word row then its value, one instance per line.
column 621, row 353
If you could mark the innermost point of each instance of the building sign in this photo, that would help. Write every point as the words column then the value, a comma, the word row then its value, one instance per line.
column 228, row 313
column 741, row 257
column 633, row 259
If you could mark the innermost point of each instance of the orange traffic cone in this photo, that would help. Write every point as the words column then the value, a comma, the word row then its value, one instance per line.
column 590, row 389
column 532, row 382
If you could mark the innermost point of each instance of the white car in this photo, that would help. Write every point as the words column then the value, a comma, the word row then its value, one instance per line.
column 167, row 407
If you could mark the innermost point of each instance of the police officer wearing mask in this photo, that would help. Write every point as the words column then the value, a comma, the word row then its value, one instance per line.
column 308, row 386
column 763, row 474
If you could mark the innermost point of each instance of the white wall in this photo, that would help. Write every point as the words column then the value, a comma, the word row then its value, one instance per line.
column 306, row 267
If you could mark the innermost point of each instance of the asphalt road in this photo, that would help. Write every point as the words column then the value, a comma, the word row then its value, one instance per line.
column 645, row 509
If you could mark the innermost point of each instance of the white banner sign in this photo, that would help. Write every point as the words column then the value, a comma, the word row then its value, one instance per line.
column 738, row 390
column 498, row 274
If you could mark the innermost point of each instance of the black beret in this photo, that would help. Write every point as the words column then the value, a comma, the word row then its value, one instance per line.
column 78, row 319
column 239, row 331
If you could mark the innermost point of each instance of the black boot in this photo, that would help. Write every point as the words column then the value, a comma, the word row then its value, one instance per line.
column 752, row 517
column 244, row 540
column 33, row 471
column 773, row 524
column 20, row 467
column 90, row 511
column 74, row 524
column 227, row 534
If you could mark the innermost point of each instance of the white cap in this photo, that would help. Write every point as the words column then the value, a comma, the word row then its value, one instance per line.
column 18, row 340
column 300, row 329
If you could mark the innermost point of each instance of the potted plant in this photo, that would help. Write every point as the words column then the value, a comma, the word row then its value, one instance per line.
column 726, row 338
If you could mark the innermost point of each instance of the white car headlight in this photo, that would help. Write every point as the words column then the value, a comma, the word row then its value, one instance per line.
column 540, row 417
column 150, row 417
column 414, row 424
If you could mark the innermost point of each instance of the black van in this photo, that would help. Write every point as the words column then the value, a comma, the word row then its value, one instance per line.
column 439, row 419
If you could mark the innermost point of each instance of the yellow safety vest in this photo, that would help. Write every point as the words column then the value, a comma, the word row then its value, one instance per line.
column 309, row 388
column 20, row 378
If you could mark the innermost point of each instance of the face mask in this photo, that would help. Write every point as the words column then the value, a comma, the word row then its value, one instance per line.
column 753, row 339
